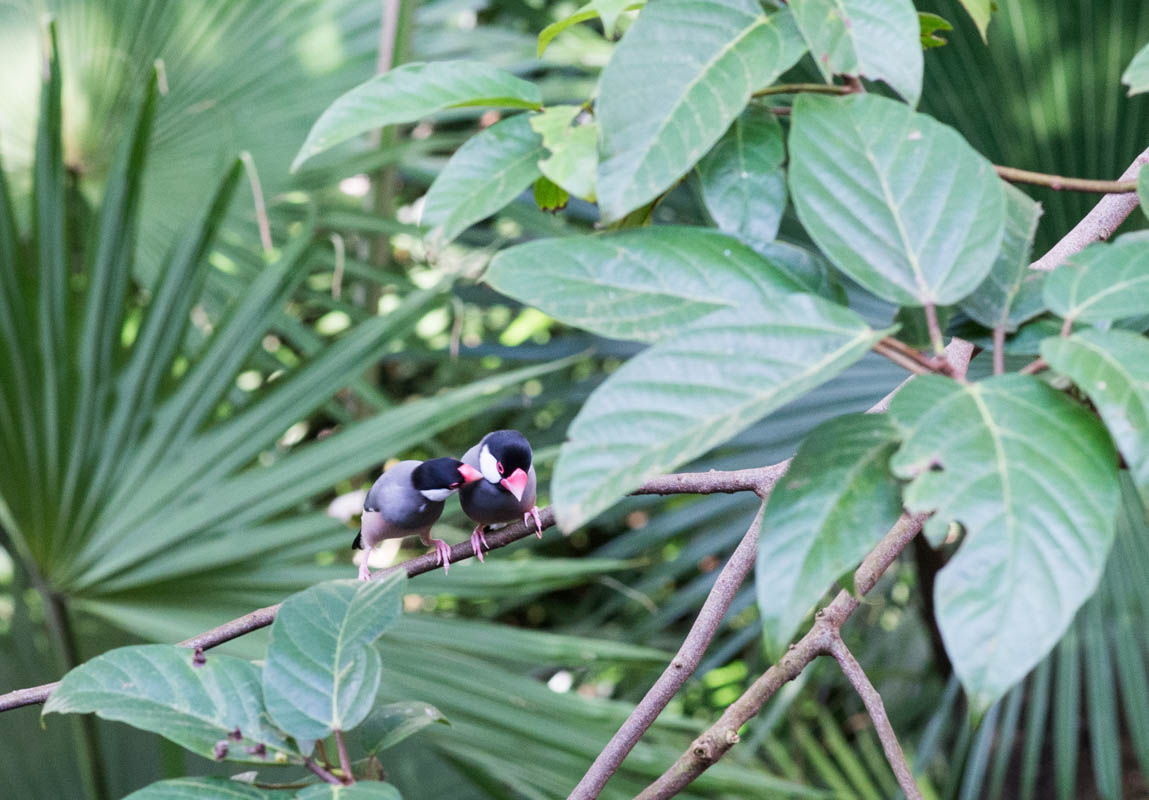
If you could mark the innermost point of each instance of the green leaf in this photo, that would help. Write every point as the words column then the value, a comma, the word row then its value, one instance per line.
column 1011, row 294
column 929, row 26
column 836, row 501
column 1032, row 478
column 875, row 39
column 1136, row 75
column 362, row 790
column 202, row 789
column 321, row 672
column 1104, row 282
column 743, row 182
column 411, row 92
column 914, row 328
column 158, row 688
column 639, row 284
column 607, row 10
column 980, row 11
column 693, row 391
column 391, row 723
column 549, row 197
column 573, row 150
column 659, row 115
column 483, row 175
column 1112, row 368
column 898, row 201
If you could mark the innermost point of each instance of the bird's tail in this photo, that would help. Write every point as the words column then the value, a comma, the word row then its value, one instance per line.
column 358, row 543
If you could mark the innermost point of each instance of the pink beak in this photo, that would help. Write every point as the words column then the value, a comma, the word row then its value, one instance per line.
column 516, row 484
column 469, row 473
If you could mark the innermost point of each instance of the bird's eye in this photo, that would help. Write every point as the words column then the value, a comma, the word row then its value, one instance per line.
column 500, row 467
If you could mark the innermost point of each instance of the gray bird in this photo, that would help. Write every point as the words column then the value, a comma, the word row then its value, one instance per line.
column 507, row 491
column 407, row 500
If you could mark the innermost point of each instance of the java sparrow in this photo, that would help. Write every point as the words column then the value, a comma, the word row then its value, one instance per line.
column 407, row 500
column 507, row 491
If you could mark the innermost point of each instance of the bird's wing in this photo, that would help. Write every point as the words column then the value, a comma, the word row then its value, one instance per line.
column 390, row 486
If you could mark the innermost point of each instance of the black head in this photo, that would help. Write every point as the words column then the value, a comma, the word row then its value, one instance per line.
column 510, row 449
column 442, row 474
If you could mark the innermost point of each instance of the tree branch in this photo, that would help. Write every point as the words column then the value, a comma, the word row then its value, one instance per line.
column 1098, row 224
column 877, row 710
column 1015, row 175
column 712, row 482
column 808, row 88
column 905, row 356
column 716, row 740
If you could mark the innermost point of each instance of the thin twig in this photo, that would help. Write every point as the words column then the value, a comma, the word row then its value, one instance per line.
column 345, row 759
column 917, row 365
column 711, row 482
column 1098, row 224
column 935, row 328
column 803, row 88
column 877, row 710
column 340, row 259
column 257, row 195
column 320, row 771
column 1034, row 367
column 998, row 349
column 1015, row 175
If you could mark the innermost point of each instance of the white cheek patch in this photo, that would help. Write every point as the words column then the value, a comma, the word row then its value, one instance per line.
column 436, row 495
column 489, row 465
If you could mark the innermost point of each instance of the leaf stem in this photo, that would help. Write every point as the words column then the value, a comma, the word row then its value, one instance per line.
column 1034, row 367
column 807, row 88
column 1015, row 175
column 344, row 758
column 935, row 328
column 320, row 771
column 998, row 349
column 904, row 356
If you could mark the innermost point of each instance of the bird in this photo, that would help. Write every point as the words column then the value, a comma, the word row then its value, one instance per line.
column 407, row 500
column 506, row 492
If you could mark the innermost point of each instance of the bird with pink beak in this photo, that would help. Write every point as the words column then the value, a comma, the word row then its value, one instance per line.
column 507, row 491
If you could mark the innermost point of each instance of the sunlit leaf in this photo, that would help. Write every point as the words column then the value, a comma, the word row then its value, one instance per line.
column 413, row 91
column 1136, row 75
column 875, row 39
column 930, row 26
column 321, row 673
column 657, row 116
column 159, row 688
column 1032, row 479
column 980, row 12
column 573, row 149
column 607, row 10
column 898, row 201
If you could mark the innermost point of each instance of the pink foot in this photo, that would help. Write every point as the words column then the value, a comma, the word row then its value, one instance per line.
column 443, row 554
column 534, row 512
column 364, row 570
column 479, row 541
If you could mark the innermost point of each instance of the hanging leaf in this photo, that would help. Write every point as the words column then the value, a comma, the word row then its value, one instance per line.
column 321, row 673
column 1012, row 293
column 1136, row 75
column 657, row 115
column 695, row 390
column 980, row 12
column 573, row 150
column 1104, row 282
column 215, row 709
column 898, row 201
column 490, row 170
column 929, row 27
column 743, row 182
column 836, row 501
column 1032, row 478
column 641, row 284
column 875, row 39
column 606, row 10
column 202, row 789
column 411, row 92
column 549, row 197
column 1112, row 368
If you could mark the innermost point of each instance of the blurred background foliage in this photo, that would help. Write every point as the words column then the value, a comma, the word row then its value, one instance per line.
column 349, row 343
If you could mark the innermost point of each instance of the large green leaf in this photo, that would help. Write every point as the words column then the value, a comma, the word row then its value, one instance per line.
column 898, row 201
column 483, row 175
column 743, row 182
column 875, row 39
column 1032, row 478
column 321, row 673
column 1104, row 282
column 643, row 284
column 357, row 791
column 203, row 789
column 659, row 115
column 1112, row 368
column 1011, row 293
column 411, row 92
column 1136, row 75
column 159, row 688
column 693, row 391
column 837, row 501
